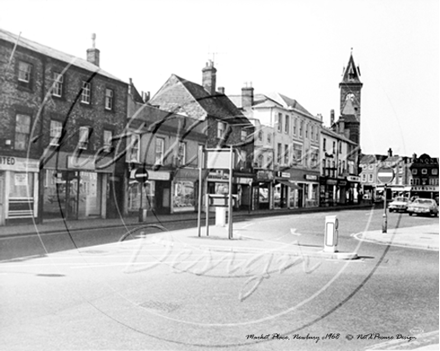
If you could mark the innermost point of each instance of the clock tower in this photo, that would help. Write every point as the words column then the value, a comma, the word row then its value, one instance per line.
column 350, row 100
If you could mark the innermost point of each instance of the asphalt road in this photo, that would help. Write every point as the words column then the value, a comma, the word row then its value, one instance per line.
column 150, row 295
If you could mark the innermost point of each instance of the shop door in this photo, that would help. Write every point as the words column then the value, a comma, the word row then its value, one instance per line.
column 72, row 194
column 163, row 197
column 300, row 195
column 2, row 198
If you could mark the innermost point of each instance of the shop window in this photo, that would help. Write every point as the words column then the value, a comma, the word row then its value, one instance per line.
column 184, row 196
column 159, row 151
column 107, row 140
column 86, row 93
column 56, row 128
column 109, row 99
column 22, row 131
column 84, row 134
column 22, row 185
column 57, row 85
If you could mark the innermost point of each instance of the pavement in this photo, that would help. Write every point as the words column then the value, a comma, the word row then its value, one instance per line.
column 61, row 224
column 420, row 237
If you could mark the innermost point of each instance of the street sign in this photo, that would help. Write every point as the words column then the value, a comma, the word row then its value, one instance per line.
column 141, row 175
column 385, row 175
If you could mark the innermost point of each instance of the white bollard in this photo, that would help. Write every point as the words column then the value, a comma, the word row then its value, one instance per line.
column 331, row 234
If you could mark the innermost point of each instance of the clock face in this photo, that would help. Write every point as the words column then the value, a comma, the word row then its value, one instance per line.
column 350, row 97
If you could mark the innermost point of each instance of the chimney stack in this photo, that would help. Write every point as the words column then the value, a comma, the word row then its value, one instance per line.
column 390, row 152
column 247, row 96
column 209, row 77
column 93, row 53
column 332, row 117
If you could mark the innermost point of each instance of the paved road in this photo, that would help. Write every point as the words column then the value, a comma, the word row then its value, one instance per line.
column 174, row 291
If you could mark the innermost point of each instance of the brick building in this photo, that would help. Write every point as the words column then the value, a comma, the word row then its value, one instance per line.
column 225, row 126
column 59, row 117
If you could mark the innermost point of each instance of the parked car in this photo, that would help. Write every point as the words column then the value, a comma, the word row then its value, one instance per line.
column 423, row 206
column 399, row 204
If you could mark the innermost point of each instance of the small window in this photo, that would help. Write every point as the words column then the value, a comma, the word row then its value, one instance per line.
column 269, row 138
column 286, row 154
column 84, row 134
column 107, row 140
column 370, row 177
column 22, row 131
column 301, row 126
column 57, row 86
column 221, row 126
column 260, row 161
column 24, row 72
column 181, row 155
column 109, row 99
column 56, row 128
column 424, row 171
column 86, row 93
column 434, row 171
column 414, row 171
column 260, row 135
column 287, row 125
column 294, row 126
column 159, row 151
column 324, row 142
column 279, row 151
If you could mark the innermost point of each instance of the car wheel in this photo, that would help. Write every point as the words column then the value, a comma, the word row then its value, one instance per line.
column 410, row 213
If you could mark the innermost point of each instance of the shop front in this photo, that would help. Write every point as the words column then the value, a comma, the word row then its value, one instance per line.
column 185, row 190
column 353, row 188
column 425, row 191
column 262, row 190
column 78, row 187
column 153, row 194
column 18, row 189
column 328, row 191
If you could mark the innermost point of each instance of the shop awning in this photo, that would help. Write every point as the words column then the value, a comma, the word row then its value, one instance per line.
column 287, row 183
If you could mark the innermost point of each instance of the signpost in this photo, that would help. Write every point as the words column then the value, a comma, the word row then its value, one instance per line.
column 385, row 175
column 141, row 175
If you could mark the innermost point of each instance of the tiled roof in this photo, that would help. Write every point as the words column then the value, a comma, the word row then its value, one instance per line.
column 182, row 96
column 47, row 51
column 337, row 135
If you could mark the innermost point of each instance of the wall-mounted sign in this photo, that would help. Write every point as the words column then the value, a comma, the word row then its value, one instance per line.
column 353, row 178
column 264, row 175
column 9, row 163
column 425, row 188
column 310, row 177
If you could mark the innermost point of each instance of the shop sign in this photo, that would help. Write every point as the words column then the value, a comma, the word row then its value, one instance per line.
column 264, row 175
column 283, row 174
column 310, row 177
column 219, row 175
column 425, row 188
column 157, row 175
column 246, row 181
column 332, row 182
column 353, row 178
column 9, row 163
column 342, row 182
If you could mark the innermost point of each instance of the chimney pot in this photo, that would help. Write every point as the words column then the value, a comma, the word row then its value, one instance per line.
column 247, row 96
column 221, row 90
column 93, row 53
column 209, row 78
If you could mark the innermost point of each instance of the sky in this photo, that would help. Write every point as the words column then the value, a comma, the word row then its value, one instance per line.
column 295, row 47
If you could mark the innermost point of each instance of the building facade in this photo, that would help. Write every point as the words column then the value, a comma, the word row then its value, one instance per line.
column 59, row 116
column 287, row 147
column 225, row 126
